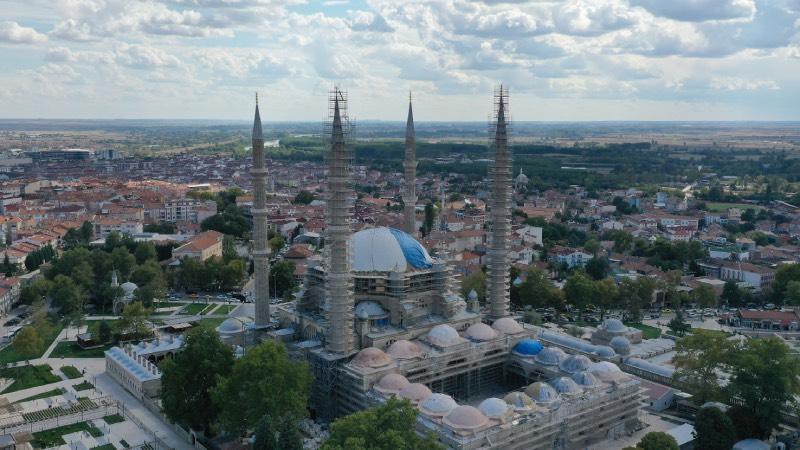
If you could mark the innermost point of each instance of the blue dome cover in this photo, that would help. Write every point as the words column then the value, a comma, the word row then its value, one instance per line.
column 415, row 253
column 528, row 347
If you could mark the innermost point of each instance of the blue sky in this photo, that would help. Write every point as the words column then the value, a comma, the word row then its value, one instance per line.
column 562, row 59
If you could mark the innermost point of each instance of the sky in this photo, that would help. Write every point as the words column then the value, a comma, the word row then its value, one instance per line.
column 564, row 60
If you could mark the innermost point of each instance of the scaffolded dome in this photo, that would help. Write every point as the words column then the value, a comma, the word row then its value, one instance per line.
column 528, row 347
column 465, row 418
column 472, row 295
column 372, row 358
column 507, row 325
column 605, row 351
column 620, row 344
column 384, row 249
column 519, row 401
column 575, row 363
column 586, row 379
column 550, row 356
column 404, row 349
column 437, row 405
column 494, row 408
column 391, row 383
column 443, row 335
column 481, row 332
column 415, row 393
column 542, row 393
column 369, row 309
column 613, row 326
column 605, row 371
column 565, row 385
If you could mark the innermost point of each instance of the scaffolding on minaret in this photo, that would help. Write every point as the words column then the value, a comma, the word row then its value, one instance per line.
column 260, row 246
column 410, row 167
column 341, row 197
column 498, row 274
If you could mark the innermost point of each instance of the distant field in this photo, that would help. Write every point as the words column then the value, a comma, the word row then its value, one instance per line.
column 722, row 207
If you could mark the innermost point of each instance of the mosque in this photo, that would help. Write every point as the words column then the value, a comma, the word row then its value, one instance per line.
column 381, row 317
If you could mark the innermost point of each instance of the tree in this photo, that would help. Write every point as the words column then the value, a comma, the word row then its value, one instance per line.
column 592, row 246
column 731, row 294
column 281, row 276
column 429, row 216
column 578, row 291
column 104, row 332
column 698, row 359
column 744, row 422
column 145, row 251
column 704, row 296
column 229, row 248
column 713, row 430
column 123, row 261
column 280, row 390
column 597, row 268
column 28, row 342
column 275, row 244
column 304, row 197
column 133, row 322
column 793, row 293
column 396, row 421
column 785, row 274
column 477, row 281
column 678, row 326
column 635, row 294
column 764, row 375
column 657, row 440
column 277, row 434
column 188, row 378
column 35, row 291
column 605, row 295
column 65, row 294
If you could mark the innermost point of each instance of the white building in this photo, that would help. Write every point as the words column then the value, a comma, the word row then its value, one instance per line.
column 134, row 372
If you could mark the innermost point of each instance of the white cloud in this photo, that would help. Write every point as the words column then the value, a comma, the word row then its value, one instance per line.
column 700, row 10
column 741, row 84
column 13, row 33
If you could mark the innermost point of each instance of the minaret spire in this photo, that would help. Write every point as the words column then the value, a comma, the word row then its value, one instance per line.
column 260, row 248
column 497, row 282
column 410, row 166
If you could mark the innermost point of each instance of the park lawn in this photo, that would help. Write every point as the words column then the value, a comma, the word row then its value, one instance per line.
column 85, row 386
column 648, row 332
column 71, row 349
column 114, row 418
column 225, row 309
column 104, row 447
column 48, row 394
column 71, row 372
column 53, row 437
column 722, row 207
column 194, row 308
column 10, row 355
column 26, row 377
column 211, row 323
column 208, row 310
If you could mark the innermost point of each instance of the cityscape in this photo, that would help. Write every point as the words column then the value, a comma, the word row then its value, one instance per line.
column 400, row 225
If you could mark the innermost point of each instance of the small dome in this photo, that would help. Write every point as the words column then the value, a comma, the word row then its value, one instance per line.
column 404, row 349
column 233, row 325
column 517, row 281
column 620, row 344
column 614, row 326
column 507, row 325
column 494, row 408
column 575, row 363
column 391, row 383
column 438, row 405
column 369, row 309
column 372, row 358
column 605, row 371
column 465, row 418
column 565, row 385
column 472, row 295
column 519, row 401
column 415, row 393
column 481, row 332
column 443, row 335
column 751, row 444
column 128, row 287
column 542, row 393
column 528, row 347
column 585, row 379
column 550, row 356
column 605, row 351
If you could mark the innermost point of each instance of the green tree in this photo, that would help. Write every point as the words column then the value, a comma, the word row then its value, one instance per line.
column 123, row 261
column 605, row 295
column 731, row 294
column 793, row 293
column 713, row 430
column 280, row 390
column 592, row 246
column 277, row 434
column 396, row 420
column 232, row 274
column 477, row 281
column 304, row 197
column 104, row 332
column 635, row 294
column 281, row 277
column 430, row 214
column 764, row 375
column 704, row 296
column 744, row 422
column 35, row 291
column 145, row 251
column 657, row 440
column 597, row 268
column 188, row 379
column 133, row 322
column 578, row 291
column 275, row 244
column 678, row 326
column 229, row 248
column 783, row 276
column 65, row 294
column 698, row 359
column 28, row 343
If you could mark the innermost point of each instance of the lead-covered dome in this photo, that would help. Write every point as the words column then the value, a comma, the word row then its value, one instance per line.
column 233, row 325
column 575, row 363
column 404, row 349
column 466, row 418
column 128, row 288
column 605, row 351
column 550, row 356
column 437, row 405
column 614, row 326
column 620, row 344
column 443, row 335
column 494, row 408
column 528, row 347
column 415, row 393
column 605, row 371
column 391, row 383
column 507, row 325
column 372, row 358
column 481, row 332
column 369, row 309
column 519, row 401
column 387, row 249
column 585, row 379
column 542, row 393
column 565, row 385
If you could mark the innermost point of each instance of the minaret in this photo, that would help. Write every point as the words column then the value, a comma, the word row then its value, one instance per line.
column 497, row 281
column 260, row 248
column 410, row 166
column 339, row 279
column 443, row 200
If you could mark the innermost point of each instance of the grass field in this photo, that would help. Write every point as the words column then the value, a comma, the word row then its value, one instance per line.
column 210, row 323
column 648, row 332
column 722, row 207
column 48, row 394
column 225, row 309
column 71, row 372
column 85, row 386
column 28, row 376
column 53, row 437
column 194, row 308
column 70, row 349
column 114, row 418
column 104, row 447
column 10, row 355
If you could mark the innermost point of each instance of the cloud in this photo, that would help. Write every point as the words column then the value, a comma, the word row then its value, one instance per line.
column 367, row 21
column 742, row 84
column 13, row 33
column 699, row 10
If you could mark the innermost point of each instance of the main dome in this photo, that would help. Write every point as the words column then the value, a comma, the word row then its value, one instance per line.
column 384, row 249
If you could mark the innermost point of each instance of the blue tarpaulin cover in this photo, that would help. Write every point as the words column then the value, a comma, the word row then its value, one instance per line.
column 413, row 251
